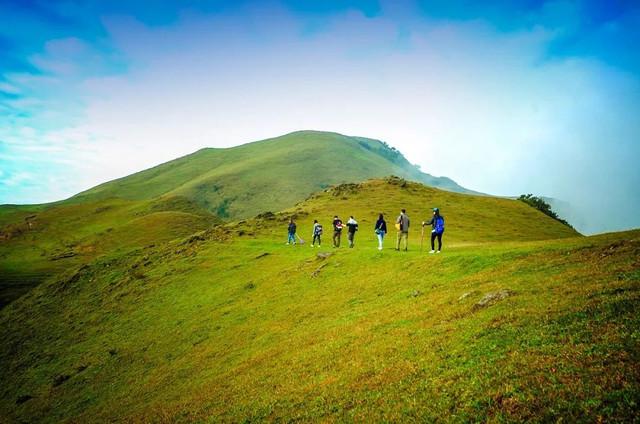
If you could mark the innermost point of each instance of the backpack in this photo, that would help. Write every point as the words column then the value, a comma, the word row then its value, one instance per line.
column 439, row 225
column 318, row 230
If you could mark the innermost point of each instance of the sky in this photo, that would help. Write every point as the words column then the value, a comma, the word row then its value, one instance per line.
column 505, row 98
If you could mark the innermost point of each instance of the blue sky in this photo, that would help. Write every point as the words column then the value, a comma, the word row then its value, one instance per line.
column 504, row 97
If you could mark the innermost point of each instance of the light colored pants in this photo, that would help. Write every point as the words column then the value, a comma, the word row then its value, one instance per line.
column 402, row 235
column 380, row 238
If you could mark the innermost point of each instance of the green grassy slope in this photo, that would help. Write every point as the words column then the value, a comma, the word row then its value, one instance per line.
column 38, row 242
column 229, row 183
column 268, row 175
column 468, row 218
column 232, row 325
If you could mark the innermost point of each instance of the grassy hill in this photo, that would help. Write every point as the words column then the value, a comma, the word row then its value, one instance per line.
column 468, row 218
column 183, row 196
column 520, row 318
column 37, row 242
column 267, row 175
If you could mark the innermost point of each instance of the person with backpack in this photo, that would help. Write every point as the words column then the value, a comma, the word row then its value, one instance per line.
column 380, row 230
column 402, row 225
column 437, row 229
column 317, row 232
column 352, row 226
column 292, row 232
column 337, row 231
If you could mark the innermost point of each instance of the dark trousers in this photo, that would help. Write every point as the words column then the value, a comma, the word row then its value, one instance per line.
column 433, row 239
column 316, row 237
column 350, row 237
column 336, row 238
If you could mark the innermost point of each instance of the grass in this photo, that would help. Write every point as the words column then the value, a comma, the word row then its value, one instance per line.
column 36, row 243
column 231, row 325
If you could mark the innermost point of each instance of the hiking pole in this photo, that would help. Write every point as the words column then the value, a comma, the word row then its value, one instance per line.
column 421, row 238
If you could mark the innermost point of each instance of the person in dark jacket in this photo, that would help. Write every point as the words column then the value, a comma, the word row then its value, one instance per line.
column 437, row 229
column 352, row 227
column 380, row 230
column 292, row 232
column 337, row 231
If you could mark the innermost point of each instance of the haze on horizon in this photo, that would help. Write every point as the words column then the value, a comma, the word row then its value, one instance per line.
column 535, row 97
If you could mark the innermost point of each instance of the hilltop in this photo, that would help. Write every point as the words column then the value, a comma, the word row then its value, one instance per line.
column 470, row 218
column 272, row 174
column 520, row 318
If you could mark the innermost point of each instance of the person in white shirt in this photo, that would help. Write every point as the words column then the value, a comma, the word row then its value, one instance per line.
column 352, row 227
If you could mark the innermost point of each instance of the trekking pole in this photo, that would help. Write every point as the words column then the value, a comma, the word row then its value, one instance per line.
column 421, row 238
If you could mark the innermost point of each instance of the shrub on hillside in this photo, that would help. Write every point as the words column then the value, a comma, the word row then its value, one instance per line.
column 542, row 206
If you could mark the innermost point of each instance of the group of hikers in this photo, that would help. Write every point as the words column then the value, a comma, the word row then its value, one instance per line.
column 402, row 226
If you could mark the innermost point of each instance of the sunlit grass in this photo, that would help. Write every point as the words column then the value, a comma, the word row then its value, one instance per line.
column 209, row 328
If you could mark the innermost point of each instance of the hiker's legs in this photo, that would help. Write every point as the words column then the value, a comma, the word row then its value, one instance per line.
column 398, row 240
column 440, row 241
column 336, row 238
column 292, row 238
column 433, row 239
column 380, row 239
column 350, row 238
column 405, row 236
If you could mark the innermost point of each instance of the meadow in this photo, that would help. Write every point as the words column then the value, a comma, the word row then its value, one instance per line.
column 520, row 318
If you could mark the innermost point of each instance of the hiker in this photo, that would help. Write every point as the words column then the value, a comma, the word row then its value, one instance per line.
column 437, row 229
column 402, row 225
column 317, row 232
column 292, row 232
column 352, row 226
column 380, row 230
column 337, row 231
